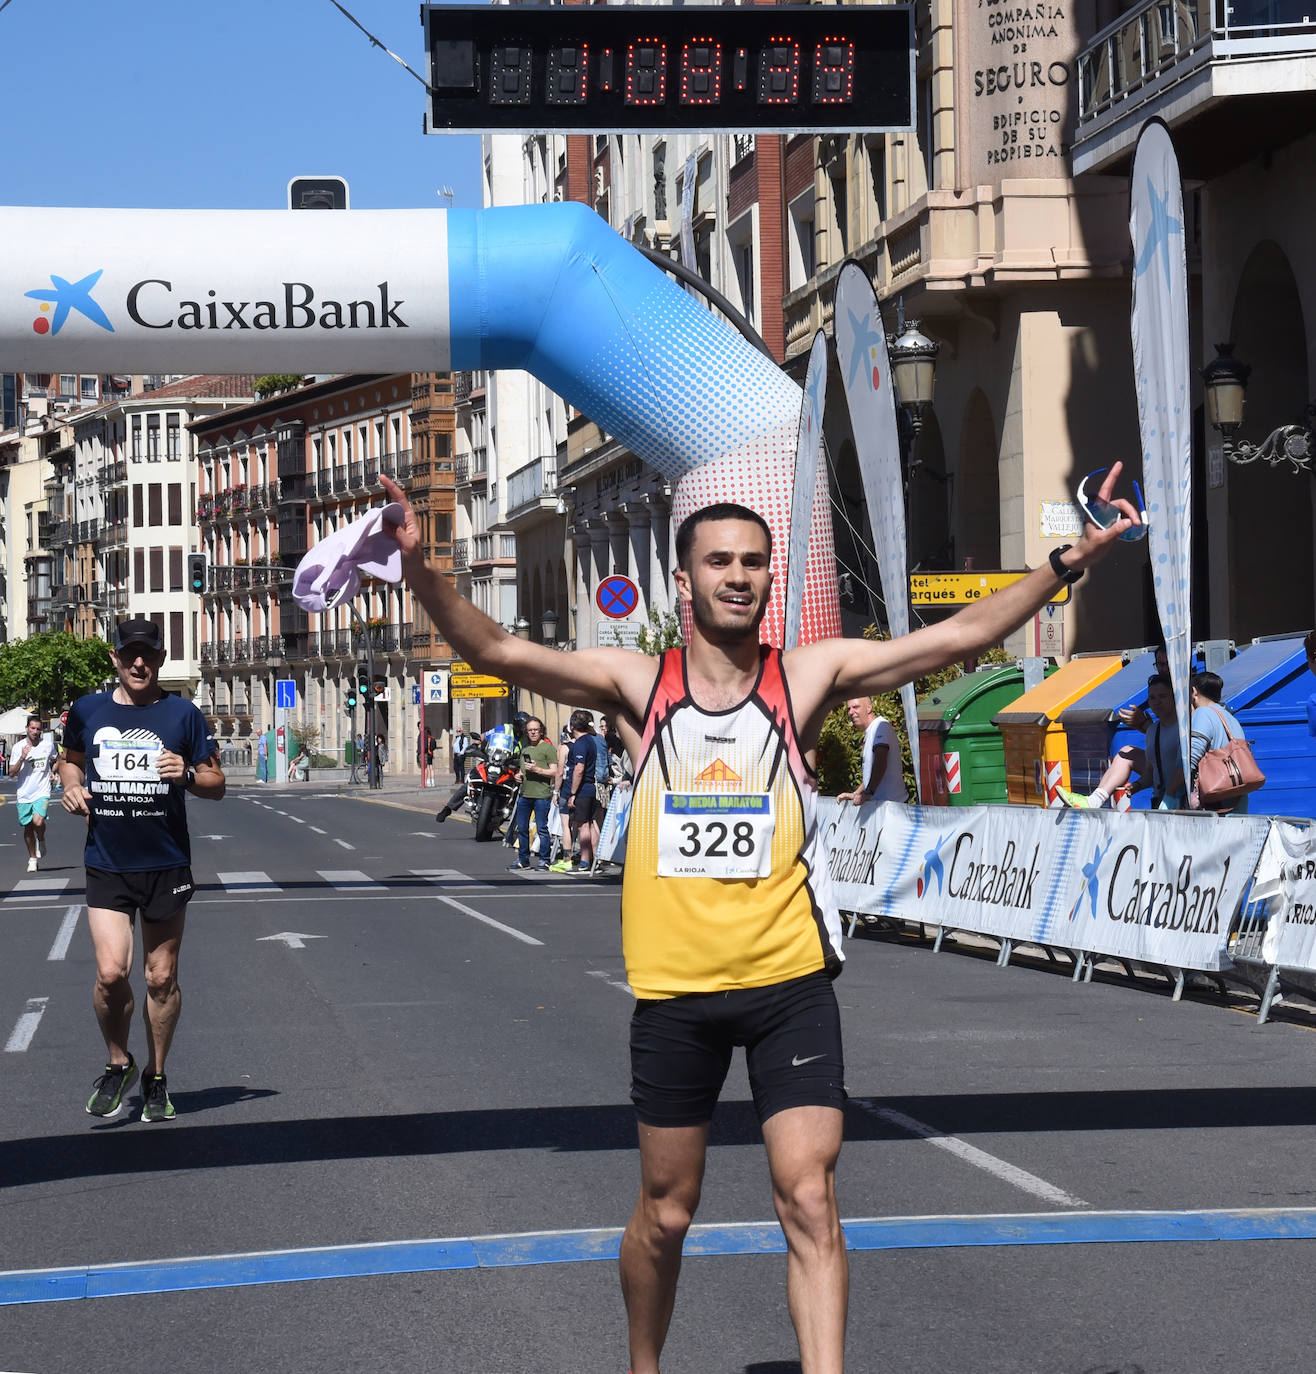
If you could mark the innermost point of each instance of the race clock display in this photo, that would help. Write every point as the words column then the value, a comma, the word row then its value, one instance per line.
column 645, row 69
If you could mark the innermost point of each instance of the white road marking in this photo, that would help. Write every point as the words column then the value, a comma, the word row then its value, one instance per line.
column 293, row 939
column 318, row 831
column 248, row 880
column 26, row 1026
column 66, row 928
column 27, row 888
column 349, row 879
column 611, row 981
column 450, row 877
column 344, row 843
column 970, row 1154
column 489, row 921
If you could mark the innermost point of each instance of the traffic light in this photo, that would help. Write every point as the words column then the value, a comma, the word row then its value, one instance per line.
column 647, row 68
column 363, row 681
column 351, row 698
column 196, row 573
column 318, row 193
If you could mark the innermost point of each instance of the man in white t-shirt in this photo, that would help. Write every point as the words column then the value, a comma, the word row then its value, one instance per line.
column 881, row 776
column 31, row 763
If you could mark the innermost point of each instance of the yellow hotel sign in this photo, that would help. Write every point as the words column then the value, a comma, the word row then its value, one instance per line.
column 964, row 588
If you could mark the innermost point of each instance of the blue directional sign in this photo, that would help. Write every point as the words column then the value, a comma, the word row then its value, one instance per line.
column 415, row 693
column 285, row 694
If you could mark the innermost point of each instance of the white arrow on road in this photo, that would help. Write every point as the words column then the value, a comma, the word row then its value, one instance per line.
column 426, row 834
column 214, row 837
column 290, row 938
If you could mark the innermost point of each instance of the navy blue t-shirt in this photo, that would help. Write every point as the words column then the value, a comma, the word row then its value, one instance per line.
column 138, row 820
column 581, row 751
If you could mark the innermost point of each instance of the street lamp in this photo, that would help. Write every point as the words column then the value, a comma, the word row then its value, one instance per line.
column 1225, row 381
column 522, row 628
column 913, row 369
column 548, row 626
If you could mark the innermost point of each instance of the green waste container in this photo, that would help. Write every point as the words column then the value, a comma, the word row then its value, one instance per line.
column 961, row 753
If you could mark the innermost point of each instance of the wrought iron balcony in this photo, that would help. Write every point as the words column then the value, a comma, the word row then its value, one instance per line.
column 461, row 555
column 208, row 654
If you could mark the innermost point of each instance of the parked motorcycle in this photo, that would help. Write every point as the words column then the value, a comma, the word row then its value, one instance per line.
column 492, row 789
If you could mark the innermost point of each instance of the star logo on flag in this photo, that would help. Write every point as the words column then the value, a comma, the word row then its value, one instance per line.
column 867, row 343
column 1163, row 225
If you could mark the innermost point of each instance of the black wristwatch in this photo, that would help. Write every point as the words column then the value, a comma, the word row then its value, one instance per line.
column 189, row 777
column 1064, row 573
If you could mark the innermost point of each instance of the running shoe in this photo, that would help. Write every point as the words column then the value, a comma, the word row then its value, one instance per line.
column 562, row 866
column 107, row 1100
column 1075, row 799
column 156, row 1105
column 543, row 866
column 582, row 867
column 31, row 865
column 512, row 868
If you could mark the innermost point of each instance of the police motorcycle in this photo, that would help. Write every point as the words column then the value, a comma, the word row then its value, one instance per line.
column 492, row 779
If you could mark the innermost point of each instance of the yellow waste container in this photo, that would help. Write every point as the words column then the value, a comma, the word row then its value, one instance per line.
column 1036, row 748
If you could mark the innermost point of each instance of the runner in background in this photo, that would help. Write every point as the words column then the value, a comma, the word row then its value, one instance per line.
column 31, row 763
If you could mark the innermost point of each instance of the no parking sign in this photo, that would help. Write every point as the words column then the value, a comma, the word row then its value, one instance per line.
column 617, row 597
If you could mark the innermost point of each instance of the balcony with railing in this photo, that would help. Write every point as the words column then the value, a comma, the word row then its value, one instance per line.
column 113, row 475
column 116, row 598
column 1231, row 80
column 387, row 639
column 461, row 387
column 208, row 654
column 88, row 530
column 531, row 491
column 493, row 548
column 396, row 465
column 113, row 534
column 461, row 555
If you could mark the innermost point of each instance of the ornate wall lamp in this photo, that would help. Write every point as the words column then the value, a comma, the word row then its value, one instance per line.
column 1225, row 381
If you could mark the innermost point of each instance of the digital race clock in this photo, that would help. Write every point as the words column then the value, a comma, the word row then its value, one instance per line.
column 645, row 68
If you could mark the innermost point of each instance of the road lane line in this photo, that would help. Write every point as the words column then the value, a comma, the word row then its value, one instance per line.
column 489, row 920
column 66, row 928
column 971, row 1154
column 26, row 1026
column 344, row 843
column 318, row 831
column 710, row 1240
column 27, row 888
column 450, row 877
column 606, row 977
column 249, row 880
column 349, row 880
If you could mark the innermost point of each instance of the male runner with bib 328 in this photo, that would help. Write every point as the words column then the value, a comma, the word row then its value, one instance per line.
column 129, row 757
column 729, row 933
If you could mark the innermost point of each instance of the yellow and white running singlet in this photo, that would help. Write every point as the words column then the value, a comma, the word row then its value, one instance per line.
column 725, row 884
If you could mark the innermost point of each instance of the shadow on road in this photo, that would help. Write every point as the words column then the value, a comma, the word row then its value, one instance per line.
column 184, row 1145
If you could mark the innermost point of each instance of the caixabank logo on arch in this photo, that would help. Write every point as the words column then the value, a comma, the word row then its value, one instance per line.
column 153, row 303
column 62, row 297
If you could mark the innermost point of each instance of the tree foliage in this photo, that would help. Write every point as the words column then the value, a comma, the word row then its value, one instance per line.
column 841, row 746
column 48, row 671
column 276, row 382
column 662, row 633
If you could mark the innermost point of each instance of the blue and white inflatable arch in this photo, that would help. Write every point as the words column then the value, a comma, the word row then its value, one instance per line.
column 547, row 288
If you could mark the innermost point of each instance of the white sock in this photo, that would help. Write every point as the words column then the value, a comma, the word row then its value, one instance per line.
column 1099, row 798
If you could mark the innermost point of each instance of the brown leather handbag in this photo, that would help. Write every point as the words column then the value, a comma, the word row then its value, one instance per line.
column 1228, row 773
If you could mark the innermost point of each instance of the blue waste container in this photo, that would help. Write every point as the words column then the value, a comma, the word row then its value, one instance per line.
column 1095, row 732
column 1093, row 727
column 1267, row 687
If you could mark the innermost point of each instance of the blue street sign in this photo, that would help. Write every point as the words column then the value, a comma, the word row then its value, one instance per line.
column 415, row 693
column 285, row 694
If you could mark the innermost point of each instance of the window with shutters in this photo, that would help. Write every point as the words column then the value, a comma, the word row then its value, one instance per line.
column 157, row 570
column 175, row 570
column 139, row 571
column 155, row 504
column 175, row 503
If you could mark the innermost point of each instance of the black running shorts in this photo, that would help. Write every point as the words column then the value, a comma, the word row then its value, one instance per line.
column 681, row 1050
column 158, row 894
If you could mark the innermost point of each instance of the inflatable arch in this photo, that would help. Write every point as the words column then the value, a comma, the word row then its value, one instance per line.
column 547, row 288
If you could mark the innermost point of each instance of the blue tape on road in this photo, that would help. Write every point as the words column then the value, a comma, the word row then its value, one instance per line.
column 562, row 1247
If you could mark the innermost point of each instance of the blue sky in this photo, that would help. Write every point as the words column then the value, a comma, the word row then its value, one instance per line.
column 215, row 104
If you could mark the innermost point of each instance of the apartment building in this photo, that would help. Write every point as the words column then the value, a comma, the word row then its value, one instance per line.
column 1234, row 85
column 277, row 477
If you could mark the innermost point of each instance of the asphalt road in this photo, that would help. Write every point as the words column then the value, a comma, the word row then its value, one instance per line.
column 386, row 1039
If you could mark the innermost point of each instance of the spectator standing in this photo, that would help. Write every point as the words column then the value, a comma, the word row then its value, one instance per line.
column 430, row 745
column 130, row 755
column 381, row 756
column 263, row 756
column 539, row 773
column 31, row 764
column 582, row 763
column 881, row 777
column 460, row 743
column 1211, row 727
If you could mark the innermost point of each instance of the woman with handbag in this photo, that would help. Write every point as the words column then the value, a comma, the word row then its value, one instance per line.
column 1222, row 786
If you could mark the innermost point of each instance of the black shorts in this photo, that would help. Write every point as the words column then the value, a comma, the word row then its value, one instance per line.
column 586, row 806
column 158, row 894
column 681, row 1050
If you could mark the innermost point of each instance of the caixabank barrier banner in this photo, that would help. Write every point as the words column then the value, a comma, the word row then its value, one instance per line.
column 1295, row 923
column 1157, row 888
